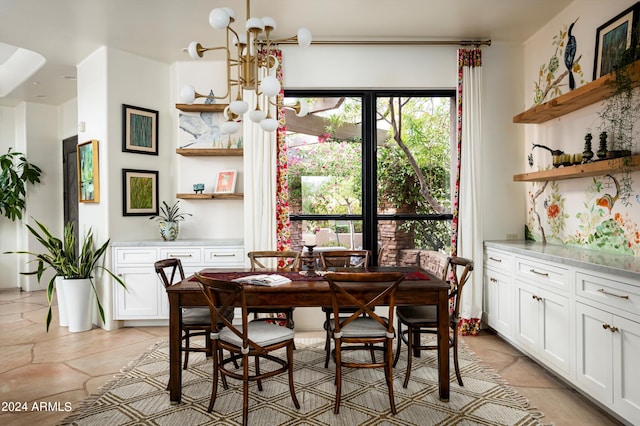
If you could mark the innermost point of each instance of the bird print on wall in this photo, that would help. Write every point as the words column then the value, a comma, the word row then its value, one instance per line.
column 204, row 127
column 607, row 200
column 570, row 55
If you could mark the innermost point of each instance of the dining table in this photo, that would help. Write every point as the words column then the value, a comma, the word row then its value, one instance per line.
column 308, row 289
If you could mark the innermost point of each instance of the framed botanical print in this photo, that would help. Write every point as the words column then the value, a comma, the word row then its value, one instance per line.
column 613, row 38
column 139, row 130
column 88, row 176
column 139, row 192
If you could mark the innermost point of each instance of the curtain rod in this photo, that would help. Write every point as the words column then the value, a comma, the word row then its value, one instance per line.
column 395, row 42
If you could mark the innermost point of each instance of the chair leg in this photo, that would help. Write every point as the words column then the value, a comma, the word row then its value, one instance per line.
column 336, row 408
column 399, row 346
column 388, row 369
column 186, row 352
column 410, row 334
column 291, row 389
column 327, row 343
column 455, row 357
column 214, row 387
column 258, row 372
column 245, row 389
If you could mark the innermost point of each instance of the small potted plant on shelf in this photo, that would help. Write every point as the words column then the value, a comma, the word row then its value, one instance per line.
column 73, row 273
column 169, row 219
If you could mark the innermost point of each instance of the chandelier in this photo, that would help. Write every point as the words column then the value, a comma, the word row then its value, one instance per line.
column 250, row 66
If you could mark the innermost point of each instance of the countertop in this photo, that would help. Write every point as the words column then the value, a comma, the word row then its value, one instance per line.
column 615, row 264
column 180, row 243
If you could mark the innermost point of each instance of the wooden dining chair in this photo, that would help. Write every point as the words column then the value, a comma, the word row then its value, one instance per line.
column 363, row 328
column 274, row 261
column 339, row 259
column 424, row 319
column 255, row 339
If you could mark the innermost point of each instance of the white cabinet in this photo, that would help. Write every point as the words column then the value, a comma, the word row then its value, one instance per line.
column 498, row 281
column 543, row 320
column 145, row 297
column 608, row 342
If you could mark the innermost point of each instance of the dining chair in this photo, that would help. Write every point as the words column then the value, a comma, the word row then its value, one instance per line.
column 255, row 339
column 339, row 259
column 424, row 319
column 363, row 328
column 274, row 261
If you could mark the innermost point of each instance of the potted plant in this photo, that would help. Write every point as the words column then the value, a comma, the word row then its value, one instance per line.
column 169, row 219
column 73, row 271
column 15, row 173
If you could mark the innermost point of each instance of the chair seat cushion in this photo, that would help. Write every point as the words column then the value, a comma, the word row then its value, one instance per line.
column 362, row 327
column 264, row 334
column 417, row 314
column 201, row 316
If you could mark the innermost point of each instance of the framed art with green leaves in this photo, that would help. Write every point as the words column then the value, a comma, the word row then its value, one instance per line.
column 139, row 130
column 139, row 192
column 88, row 176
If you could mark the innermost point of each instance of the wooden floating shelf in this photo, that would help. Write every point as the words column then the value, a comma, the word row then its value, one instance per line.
column 201, row 107
column 210, row 152
column 574, row 100
column 597, row 168
column 194, row 196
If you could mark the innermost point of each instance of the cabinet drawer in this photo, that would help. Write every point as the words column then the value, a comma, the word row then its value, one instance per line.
column 224, row 256
column 187, row 255
column 500, row 260
column 135, row 256
column 612, row 292
column 545, row 274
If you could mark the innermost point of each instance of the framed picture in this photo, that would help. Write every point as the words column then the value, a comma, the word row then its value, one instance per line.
column 88, row 176
column 139, row 130
column 139, row 192
column 613, row 38
column 226, row 182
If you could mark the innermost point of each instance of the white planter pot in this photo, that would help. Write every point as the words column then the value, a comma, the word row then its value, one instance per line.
column 62, row 306
column 78, row 296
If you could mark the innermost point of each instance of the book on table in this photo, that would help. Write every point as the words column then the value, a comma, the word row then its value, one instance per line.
column 269, row 280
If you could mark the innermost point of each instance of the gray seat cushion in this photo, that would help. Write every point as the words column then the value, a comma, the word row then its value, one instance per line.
column 362, row 327
column 201, row 316
column 261, row 332
column 417, row 314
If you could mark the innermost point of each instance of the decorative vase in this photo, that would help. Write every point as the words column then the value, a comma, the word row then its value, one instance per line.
column 62, row 306
column 79, row 304
column 169, row 230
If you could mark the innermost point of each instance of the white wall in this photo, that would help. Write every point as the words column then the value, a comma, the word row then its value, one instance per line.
column 8, row 230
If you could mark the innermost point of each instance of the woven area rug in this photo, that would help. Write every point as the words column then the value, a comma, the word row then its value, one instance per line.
column 138, row 395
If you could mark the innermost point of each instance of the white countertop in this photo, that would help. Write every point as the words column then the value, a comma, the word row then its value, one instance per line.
column 616, row 264
column 180, row 243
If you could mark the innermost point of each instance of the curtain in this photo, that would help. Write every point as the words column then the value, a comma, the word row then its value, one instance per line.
column 467, row 214
column 283, row 224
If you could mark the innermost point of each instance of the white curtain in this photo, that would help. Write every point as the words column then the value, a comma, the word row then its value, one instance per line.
column 259, row 184
column 469, row 233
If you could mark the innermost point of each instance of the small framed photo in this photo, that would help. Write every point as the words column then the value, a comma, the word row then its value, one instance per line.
column 139, row 192
column 139, row 130
column 88, row 176
column 613, row 38
column 226, row 182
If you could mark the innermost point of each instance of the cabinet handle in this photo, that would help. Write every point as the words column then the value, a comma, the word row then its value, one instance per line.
column 495, row 260
column 180, row 255
column 493, row 280
column 544, row 274
column 610, row 327
column 224, row 255
column 535, row 297
column 602, row 290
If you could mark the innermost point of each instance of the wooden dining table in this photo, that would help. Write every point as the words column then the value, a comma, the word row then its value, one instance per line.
column 419, row 288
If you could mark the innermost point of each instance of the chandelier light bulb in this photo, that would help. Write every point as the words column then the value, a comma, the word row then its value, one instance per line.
column 269, row 23
column 272, row 62
column 193, row 50
column 270, row 86
column 219, row 19
column 304, row 37
column 303, row 110
column 255, row 24
column 257, row 115
column 231, row 13
column 188, row 94
column 269, row 124
column 239, row 107
column 230, row 127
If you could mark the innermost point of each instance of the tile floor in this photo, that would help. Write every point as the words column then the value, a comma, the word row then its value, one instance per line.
column 62, row 367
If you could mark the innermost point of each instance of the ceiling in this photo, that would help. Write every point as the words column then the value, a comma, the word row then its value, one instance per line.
column 67, row 31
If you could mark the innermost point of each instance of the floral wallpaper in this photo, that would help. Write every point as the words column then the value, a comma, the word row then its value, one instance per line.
column 584, row 212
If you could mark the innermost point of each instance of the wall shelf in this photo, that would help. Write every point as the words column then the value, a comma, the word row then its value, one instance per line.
column 581, row 97
column 597, row 168
column 201, row 107
column 210, row 152
column 194, row 196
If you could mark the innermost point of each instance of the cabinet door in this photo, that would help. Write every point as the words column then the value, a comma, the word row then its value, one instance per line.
column 527, row 316
column 499, row 301
column 626, row 374
column 594, row 356
column 141, row 299
column 555, row 331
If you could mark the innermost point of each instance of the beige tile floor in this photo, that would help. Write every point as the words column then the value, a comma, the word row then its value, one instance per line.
column 62, row 367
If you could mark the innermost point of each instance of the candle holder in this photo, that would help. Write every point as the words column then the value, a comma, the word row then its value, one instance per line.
column 310, row 261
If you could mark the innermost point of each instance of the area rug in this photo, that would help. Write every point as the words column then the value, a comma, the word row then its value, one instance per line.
column 138, row 395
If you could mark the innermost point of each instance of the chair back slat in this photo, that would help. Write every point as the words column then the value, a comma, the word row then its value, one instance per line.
column 285, row 260
column 344, row 259
column 174, row 265
column 457, row 272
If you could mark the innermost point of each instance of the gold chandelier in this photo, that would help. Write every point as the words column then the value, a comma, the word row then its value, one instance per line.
column 250, row 66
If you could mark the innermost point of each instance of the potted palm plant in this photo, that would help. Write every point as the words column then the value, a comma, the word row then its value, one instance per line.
column 73, row 272
column 169, row 219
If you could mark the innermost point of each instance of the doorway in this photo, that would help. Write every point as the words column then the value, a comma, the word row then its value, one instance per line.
column 70, row 182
